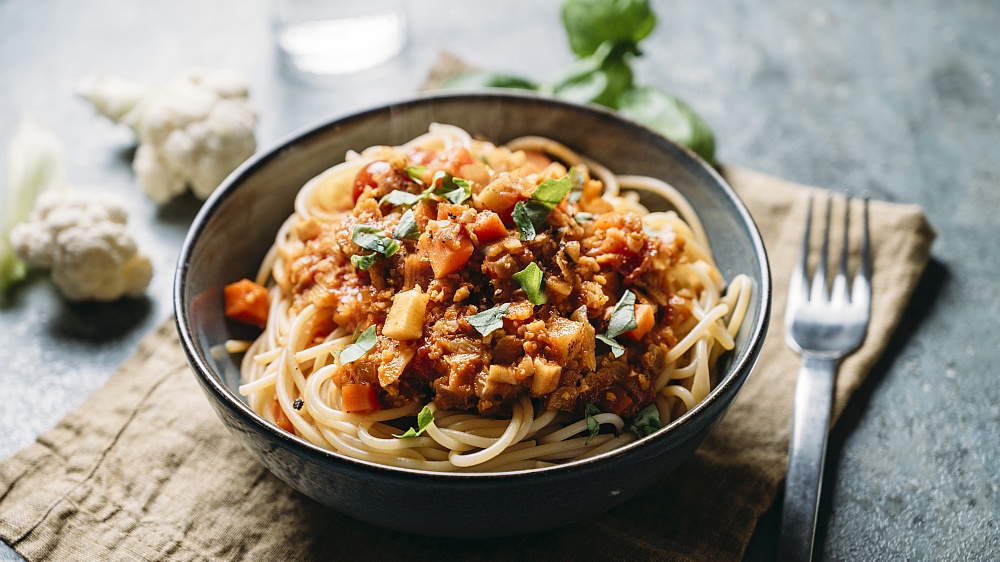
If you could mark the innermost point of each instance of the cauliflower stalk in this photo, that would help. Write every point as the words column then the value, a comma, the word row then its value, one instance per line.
column 35, row 163
column 192, row 131
column 82, row 238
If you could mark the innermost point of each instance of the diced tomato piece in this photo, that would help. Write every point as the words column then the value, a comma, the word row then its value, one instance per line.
column 488, row 227
column 247, row 302
column 644, row 319
column 280, row 419
column 450, row 161
column 366, row 177
column 359, row 398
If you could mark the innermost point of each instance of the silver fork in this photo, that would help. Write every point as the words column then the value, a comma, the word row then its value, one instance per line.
column 823, row 326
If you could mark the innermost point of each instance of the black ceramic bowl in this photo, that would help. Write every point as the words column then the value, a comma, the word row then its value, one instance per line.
column 234, row 229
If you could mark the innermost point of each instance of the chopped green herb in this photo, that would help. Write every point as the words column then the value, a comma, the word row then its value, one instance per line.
column 531, row 279
column 358, row 349
column 416, row 172
column 424, row 419
column 487, row 321
column 371, row 238
column 522, row 218
column 623, row 316
column 583, row 217
column 399, row 198
column 616, row 348
column 530, row 215
column 645, row 422
column 482, row 157
column 407, row 229
column 593, row 426
column 363, row 262
column 451, row 188
column 550, row 192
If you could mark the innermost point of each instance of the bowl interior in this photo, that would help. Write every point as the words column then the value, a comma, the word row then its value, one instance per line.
column 235, row 228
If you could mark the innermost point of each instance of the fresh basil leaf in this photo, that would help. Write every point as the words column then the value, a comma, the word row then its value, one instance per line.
column 366, row 341
column 487, row 321
column 583, row 217
column 399, row 198
column 551, row 192
column 523, row 221
column 623, row 316
column 451, row 188
column 363, row 261
column 593, row 427
column 589, row 23
column 600, row 78
column 531, row 279
column 530, row 215
column 407, row 229
column 669, row 116
column 424, row 419
column 482, row 79
column 371, row 238
column 616, row 348
column 416, row 172
column 645, row 422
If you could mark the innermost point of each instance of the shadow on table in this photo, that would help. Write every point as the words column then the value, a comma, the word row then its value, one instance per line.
column 100, row 321
column 763, row 544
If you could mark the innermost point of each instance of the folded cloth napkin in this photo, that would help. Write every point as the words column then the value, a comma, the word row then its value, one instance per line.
column 143, row 470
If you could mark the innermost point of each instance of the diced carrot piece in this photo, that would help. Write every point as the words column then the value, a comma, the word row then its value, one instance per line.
column 488, row 227
column 359, row 398
column 247, row 302
column 280, row 419
column 617, row 400
column 446, row 247
column 644, row 320
column 535, row 161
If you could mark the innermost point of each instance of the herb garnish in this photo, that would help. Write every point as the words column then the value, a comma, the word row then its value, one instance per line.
column 645, row 422
column 407, row 229
column 298, row 403
column 623, row 316
column 530, row 279
column 371, row 238
column 451, row 188
column 616, row 348
column 416, row 173
column 363, row 261
column 424, row 419
column 593, row 426
column 487, row 321
column 530, row 215
column 365, row 342
column 583, row 217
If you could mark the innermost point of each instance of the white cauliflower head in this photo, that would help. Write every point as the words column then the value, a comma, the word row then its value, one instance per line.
column 82, row 239
column 192, row 131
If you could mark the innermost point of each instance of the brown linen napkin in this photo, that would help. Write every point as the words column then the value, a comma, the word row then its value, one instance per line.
column 143, row 470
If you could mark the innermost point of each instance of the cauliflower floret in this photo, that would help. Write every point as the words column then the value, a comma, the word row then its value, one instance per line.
column 83, row 240
column 192, row 131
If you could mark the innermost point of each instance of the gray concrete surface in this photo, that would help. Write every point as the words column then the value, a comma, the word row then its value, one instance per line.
column 895, row 98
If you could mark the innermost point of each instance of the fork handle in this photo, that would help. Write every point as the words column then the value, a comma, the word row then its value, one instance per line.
column 810, row 427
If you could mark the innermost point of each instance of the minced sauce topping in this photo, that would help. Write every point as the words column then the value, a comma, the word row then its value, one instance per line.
column 472, row 310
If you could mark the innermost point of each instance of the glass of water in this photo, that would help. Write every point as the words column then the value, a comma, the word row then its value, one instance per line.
column 331, row 37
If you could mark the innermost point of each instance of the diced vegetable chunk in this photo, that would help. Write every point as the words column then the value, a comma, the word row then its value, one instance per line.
column 247, row 302
column 405, row 321
column 644, row 319
column 446, row 247
column 280, row 419
column 488, row 227
column 359, row 398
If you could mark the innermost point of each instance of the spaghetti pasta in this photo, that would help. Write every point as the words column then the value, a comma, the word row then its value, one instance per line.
column 516, row 303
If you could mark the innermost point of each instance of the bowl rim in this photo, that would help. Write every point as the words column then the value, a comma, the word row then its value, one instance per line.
column 739, row 369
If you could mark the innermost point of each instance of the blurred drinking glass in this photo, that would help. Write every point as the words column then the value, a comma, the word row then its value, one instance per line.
column 338, row 36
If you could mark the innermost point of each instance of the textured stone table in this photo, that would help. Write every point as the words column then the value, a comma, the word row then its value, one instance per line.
column 896, row 99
